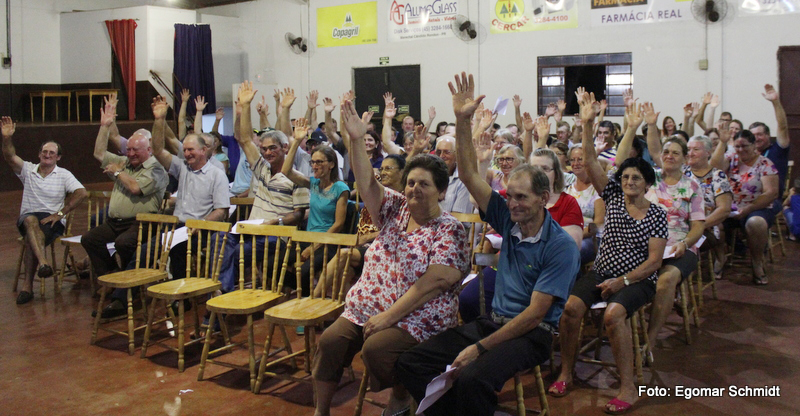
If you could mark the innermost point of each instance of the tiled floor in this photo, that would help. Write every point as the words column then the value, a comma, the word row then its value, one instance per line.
column 749, row 337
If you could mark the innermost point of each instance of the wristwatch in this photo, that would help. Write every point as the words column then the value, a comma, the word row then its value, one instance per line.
column 280, row 220
column 480, row 347
column 116, row 174
column 60, row 214
column 625, row 279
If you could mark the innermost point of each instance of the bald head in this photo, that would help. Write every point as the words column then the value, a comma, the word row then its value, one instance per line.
column 139, row 148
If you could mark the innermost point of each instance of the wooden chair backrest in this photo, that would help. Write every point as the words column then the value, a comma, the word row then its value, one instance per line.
column 482, row 260
column 243, row 207
column 211, row 237
column 787, row 186
column 476, row 244
column 97, row 208
column 341, row 241
column 154, row 225
column 279, row 262
column 164, row 207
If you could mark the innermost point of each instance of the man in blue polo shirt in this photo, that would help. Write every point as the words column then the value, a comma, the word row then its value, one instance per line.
column 537, row 267
column 777, row 152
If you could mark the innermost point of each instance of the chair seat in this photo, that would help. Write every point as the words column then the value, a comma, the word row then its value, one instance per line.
column 132, row 278
column 244, row 302
column 305, row 311
column 183, row 288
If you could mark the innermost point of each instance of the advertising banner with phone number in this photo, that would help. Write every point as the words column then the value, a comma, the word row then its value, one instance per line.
column 509, row 16
column 421, row 19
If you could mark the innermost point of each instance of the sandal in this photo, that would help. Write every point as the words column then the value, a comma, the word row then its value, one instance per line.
column 760, row 280
column 559, row 389
column 617, row 407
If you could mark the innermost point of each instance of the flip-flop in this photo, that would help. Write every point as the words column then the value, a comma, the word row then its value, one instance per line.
column 559, row 389
column 619, row 407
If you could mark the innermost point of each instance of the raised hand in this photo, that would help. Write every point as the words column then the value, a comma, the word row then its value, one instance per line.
column 542, row 127
column 562, row 105
column 387, row 98
column 650, row 115
column 487, row 118
column 483, row 146
column 527, row 122
column 185, row 95
column 603, row 106
column 517, row 101
column 390, row 110
column 312, row 99
column 328, row 105
column 770, row 93
column 432, row 113
column 724, row 129
column 300, row 129
column 277, row 95
column 8, row 127
column 200, row 103
column 551, row 110
column 110, row 101
column 586, row 102
column 420, row 139
column 220, row 113
column 695, row 109
column 464, row 101
column 287, row 98
column 627, row 97
column 159, row 107
column 246, row 94
column 261, row 106
column 707, row 98
column 576, row 120
column 355, row 126
column 687, row 110
column 634, row 115
column 714, row 101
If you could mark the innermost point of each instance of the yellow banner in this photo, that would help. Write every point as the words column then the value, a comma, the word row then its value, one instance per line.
column 349, row 24
column 508, row 16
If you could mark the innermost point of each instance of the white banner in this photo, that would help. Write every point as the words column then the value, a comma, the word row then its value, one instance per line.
column 421, row 19
column 626, row 12
column 761, row 7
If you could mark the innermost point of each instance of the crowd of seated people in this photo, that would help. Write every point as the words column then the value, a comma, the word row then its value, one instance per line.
column 634, row 205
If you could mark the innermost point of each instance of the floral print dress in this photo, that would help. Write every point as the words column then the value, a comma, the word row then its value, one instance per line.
column 683, row 203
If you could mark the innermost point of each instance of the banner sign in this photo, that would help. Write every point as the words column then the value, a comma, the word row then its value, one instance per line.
column 626, row 12
column 421, row 19
column 508, row 16
column 349, row 24
column 761, row 7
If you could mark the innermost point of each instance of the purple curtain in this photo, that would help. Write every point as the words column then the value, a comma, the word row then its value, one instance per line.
column 194, row 66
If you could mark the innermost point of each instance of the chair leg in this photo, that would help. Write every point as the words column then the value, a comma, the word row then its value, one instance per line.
column 713, row 278
column 648, row 358
column 251, row 346
column 151, row 313
column 131, row 347
column 686, row 316
column 769, row 246
column 207, row 347
column 307, row 355
column 97, row 316
column 699, row 279
column 637, row 356
column 20, row 267
column 262, row 368
column 362, row 392
column 693, row 299
column 287, row 345
column 520, row 391
column 181, row 323
column 63, row 270
column 56, row 270
column 545, row 407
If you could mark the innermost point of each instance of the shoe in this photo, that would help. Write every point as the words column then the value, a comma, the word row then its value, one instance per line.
column 559, row 389
column 760, row 280
column 24, row 297
column 113, row 310
column 617, row 407
column 45, row 270
column 718, row 270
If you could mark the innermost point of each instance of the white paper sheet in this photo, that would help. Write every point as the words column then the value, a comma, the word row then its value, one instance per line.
column 500, row 106
column 469, row 278
column 668, row 253
column 181, row 235
column 496, row 240
column 231, row 210
column 436, row 389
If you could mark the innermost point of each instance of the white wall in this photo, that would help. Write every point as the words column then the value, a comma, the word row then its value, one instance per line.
column 35, row 45
column 741, row 53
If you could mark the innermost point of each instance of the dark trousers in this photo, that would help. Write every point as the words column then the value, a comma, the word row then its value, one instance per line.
column 123, row 233
column 473, row 392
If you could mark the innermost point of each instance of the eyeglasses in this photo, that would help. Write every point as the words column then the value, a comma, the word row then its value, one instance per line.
column 631, row 178
column 576, row 160
column 505, row 159
column 387, row 168
column 316, row 162
column 440, row 152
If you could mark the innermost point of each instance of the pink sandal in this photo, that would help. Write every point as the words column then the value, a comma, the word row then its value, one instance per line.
column 558, row 389
column 619, row 407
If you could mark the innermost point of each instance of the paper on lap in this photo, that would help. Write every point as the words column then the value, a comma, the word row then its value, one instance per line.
column 437, row 388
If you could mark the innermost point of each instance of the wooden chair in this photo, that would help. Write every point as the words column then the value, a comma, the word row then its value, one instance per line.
column 687, row 297
column 96, row 211
column 206, row 272
column 57, row 272
column 308, row 311
column 478, row 226
column 701, row 284
column 254, row 300
column 155, row 237
column 641, row 353
column 243, row 207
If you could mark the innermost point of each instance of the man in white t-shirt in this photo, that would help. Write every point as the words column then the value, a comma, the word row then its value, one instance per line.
column 45, row 189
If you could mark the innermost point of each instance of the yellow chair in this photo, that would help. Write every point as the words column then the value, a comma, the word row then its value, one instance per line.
column 57, row 272
column 640, row 352
column 701, row 284
column 206, row 272
column 253, row 300
column 476, row 222
column 309, row 311
column 243, row 207
column 97, row 208
column 155, row 237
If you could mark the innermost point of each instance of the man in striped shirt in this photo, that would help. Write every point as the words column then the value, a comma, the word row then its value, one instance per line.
column 41, row 220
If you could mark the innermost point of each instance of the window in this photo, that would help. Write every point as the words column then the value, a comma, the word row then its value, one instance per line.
column 606, row 75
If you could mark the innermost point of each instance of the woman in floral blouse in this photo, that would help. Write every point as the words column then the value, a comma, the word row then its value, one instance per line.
column 408, row 289
column 682, row 198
